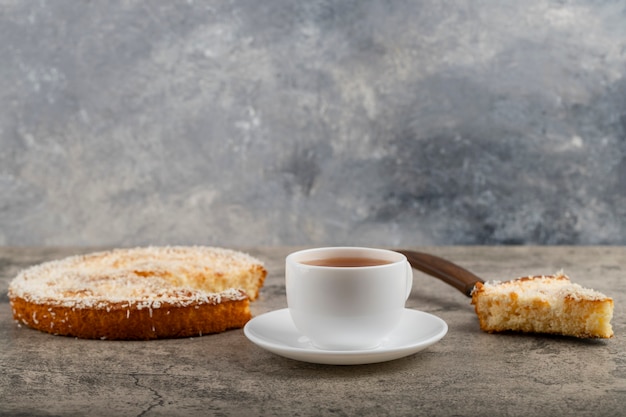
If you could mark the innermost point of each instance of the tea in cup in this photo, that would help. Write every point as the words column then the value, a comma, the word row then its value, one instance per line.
column 347, row 298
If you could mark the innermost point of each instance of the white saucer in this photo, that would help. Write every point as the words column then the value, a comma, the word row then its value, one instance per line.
column 275, row 332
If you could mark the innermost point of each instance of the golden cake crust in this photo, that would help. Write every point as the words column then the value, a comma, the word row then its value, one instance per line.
column 139, row 294
column 130, row 323
column 543, row 304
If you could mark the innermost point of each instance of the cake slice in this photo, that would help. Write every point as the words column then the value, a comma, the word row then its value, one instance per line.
column 534, row 304
column 543, row 304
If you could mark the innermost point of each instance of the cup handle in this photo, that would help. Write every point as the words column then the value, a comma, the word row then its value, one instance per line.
column 409, row 279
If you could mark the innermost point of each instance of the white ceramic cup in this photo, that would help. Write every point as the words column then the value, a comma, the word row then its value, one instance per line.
column 347, row 308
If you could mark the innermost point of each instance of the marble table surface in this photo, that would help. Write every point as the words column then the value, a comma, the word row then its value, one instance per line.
column 467, row 373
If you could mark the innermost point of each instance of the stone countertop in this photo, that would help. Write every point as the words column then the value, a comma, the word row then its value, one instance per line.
column 468, row 372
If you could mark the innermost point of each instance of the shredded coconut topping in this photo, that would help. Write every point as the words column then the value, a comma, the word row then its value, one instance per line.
column 544, row 287
column 142, row 278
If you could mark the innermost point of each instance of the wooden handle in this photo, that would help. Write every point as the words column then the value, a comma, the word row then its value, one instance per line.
column 450, row 273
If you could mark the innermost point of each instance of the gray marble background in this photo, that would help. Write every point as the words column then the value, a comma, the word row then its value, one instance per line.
column 275, row 122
